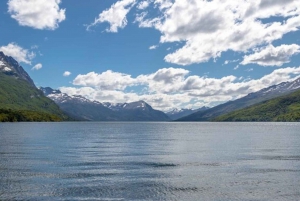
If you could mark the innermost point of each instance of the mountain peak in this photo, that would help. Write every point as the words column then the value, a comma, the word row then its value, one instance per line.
column 137, row 105
column 11, row 67
column 49, row 90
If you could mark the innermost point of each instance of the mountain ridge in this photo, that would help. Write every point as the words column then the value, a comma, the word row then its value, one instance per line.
column 179, row 113
column 282, row 108
column 19, row 95
column 84, row 109
column 9, row 66
column 248, row 100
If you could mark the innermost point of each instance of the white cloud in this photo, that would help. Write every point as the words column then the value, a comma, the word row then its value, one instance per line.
column 209, row 28
column 103, row 95
column 276, row 77
column 115, row 15
column 38, row 14
column 163, row 4
column 18, row 53
column 165, row 80
column 37, row 66
column 153, row 47
column 272, row 56
column 172, row 87
column 107, row 80
column 147, row 23
column 66, row 74
column 143, row 5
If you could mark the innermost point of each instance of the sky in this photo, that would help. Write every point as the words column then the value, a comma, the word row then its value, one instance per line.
column 169, row 53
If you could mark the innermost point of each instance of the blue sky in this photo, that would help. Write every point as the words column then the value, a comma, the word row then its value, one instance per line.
column 170, row 53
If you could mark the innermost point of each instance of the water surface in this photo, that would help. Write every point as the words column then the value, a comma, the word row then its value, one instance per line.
column 149, row 161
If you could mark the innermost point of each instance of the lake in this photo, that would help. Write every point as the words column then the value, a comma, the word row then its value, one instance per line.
column 149, row 161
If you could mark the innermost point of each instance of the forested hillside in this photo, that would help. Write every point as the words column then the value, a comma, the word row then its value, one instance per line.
column 284, row 108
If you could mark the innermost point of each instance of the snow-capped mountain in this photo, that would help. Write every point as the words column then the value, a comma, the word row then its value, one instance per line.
column 11, row 67
column 59, row 97
column 179, row 113
column 48, row 90
column 82, row 108
column 281, row 88
column 268, row 93
column 127, row 106
column 20, row 98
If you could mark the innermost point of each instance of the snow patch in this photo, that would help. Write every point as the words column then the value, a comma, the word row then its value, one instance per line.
column 7, row 69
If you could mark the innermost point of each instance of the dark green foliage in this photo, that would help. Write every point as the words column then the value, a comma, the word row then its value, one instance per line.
column 19, row 95
column 284, row 108
column 24, row 115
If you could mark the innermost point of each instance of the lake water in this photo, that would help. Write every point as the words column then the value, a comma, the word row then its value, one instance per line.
column 149, row 161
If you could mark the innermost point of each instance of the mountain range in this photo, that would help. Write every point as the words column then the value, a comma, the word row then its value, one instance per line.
column 79, row 107
column 251, row 99
column 21, row 100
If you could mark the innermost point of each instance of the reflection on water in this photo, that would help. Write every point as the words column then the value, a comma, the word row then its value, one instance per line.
column 149, row 161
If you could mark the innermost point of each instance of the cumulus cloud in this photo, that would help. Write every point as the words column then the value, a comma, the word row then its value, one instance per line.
column 66, row 73
column 165, row 80
column 38, row 14
column 18, row 53
column 115, row 15
column 37, row 66
column 107, row 80
column 272, row 56
column 172, row 87
column 209, row 28
column 101, row 95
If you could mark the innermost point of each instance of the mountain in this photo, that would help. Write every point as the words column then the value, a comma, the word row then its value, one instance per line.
column 79, row 107
column 47, row 91
column 84, row 109
column 139, row 111
column 20, row 100
column 179, row 113
column 11, row 67
column 251, row 99
column 283, row 108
